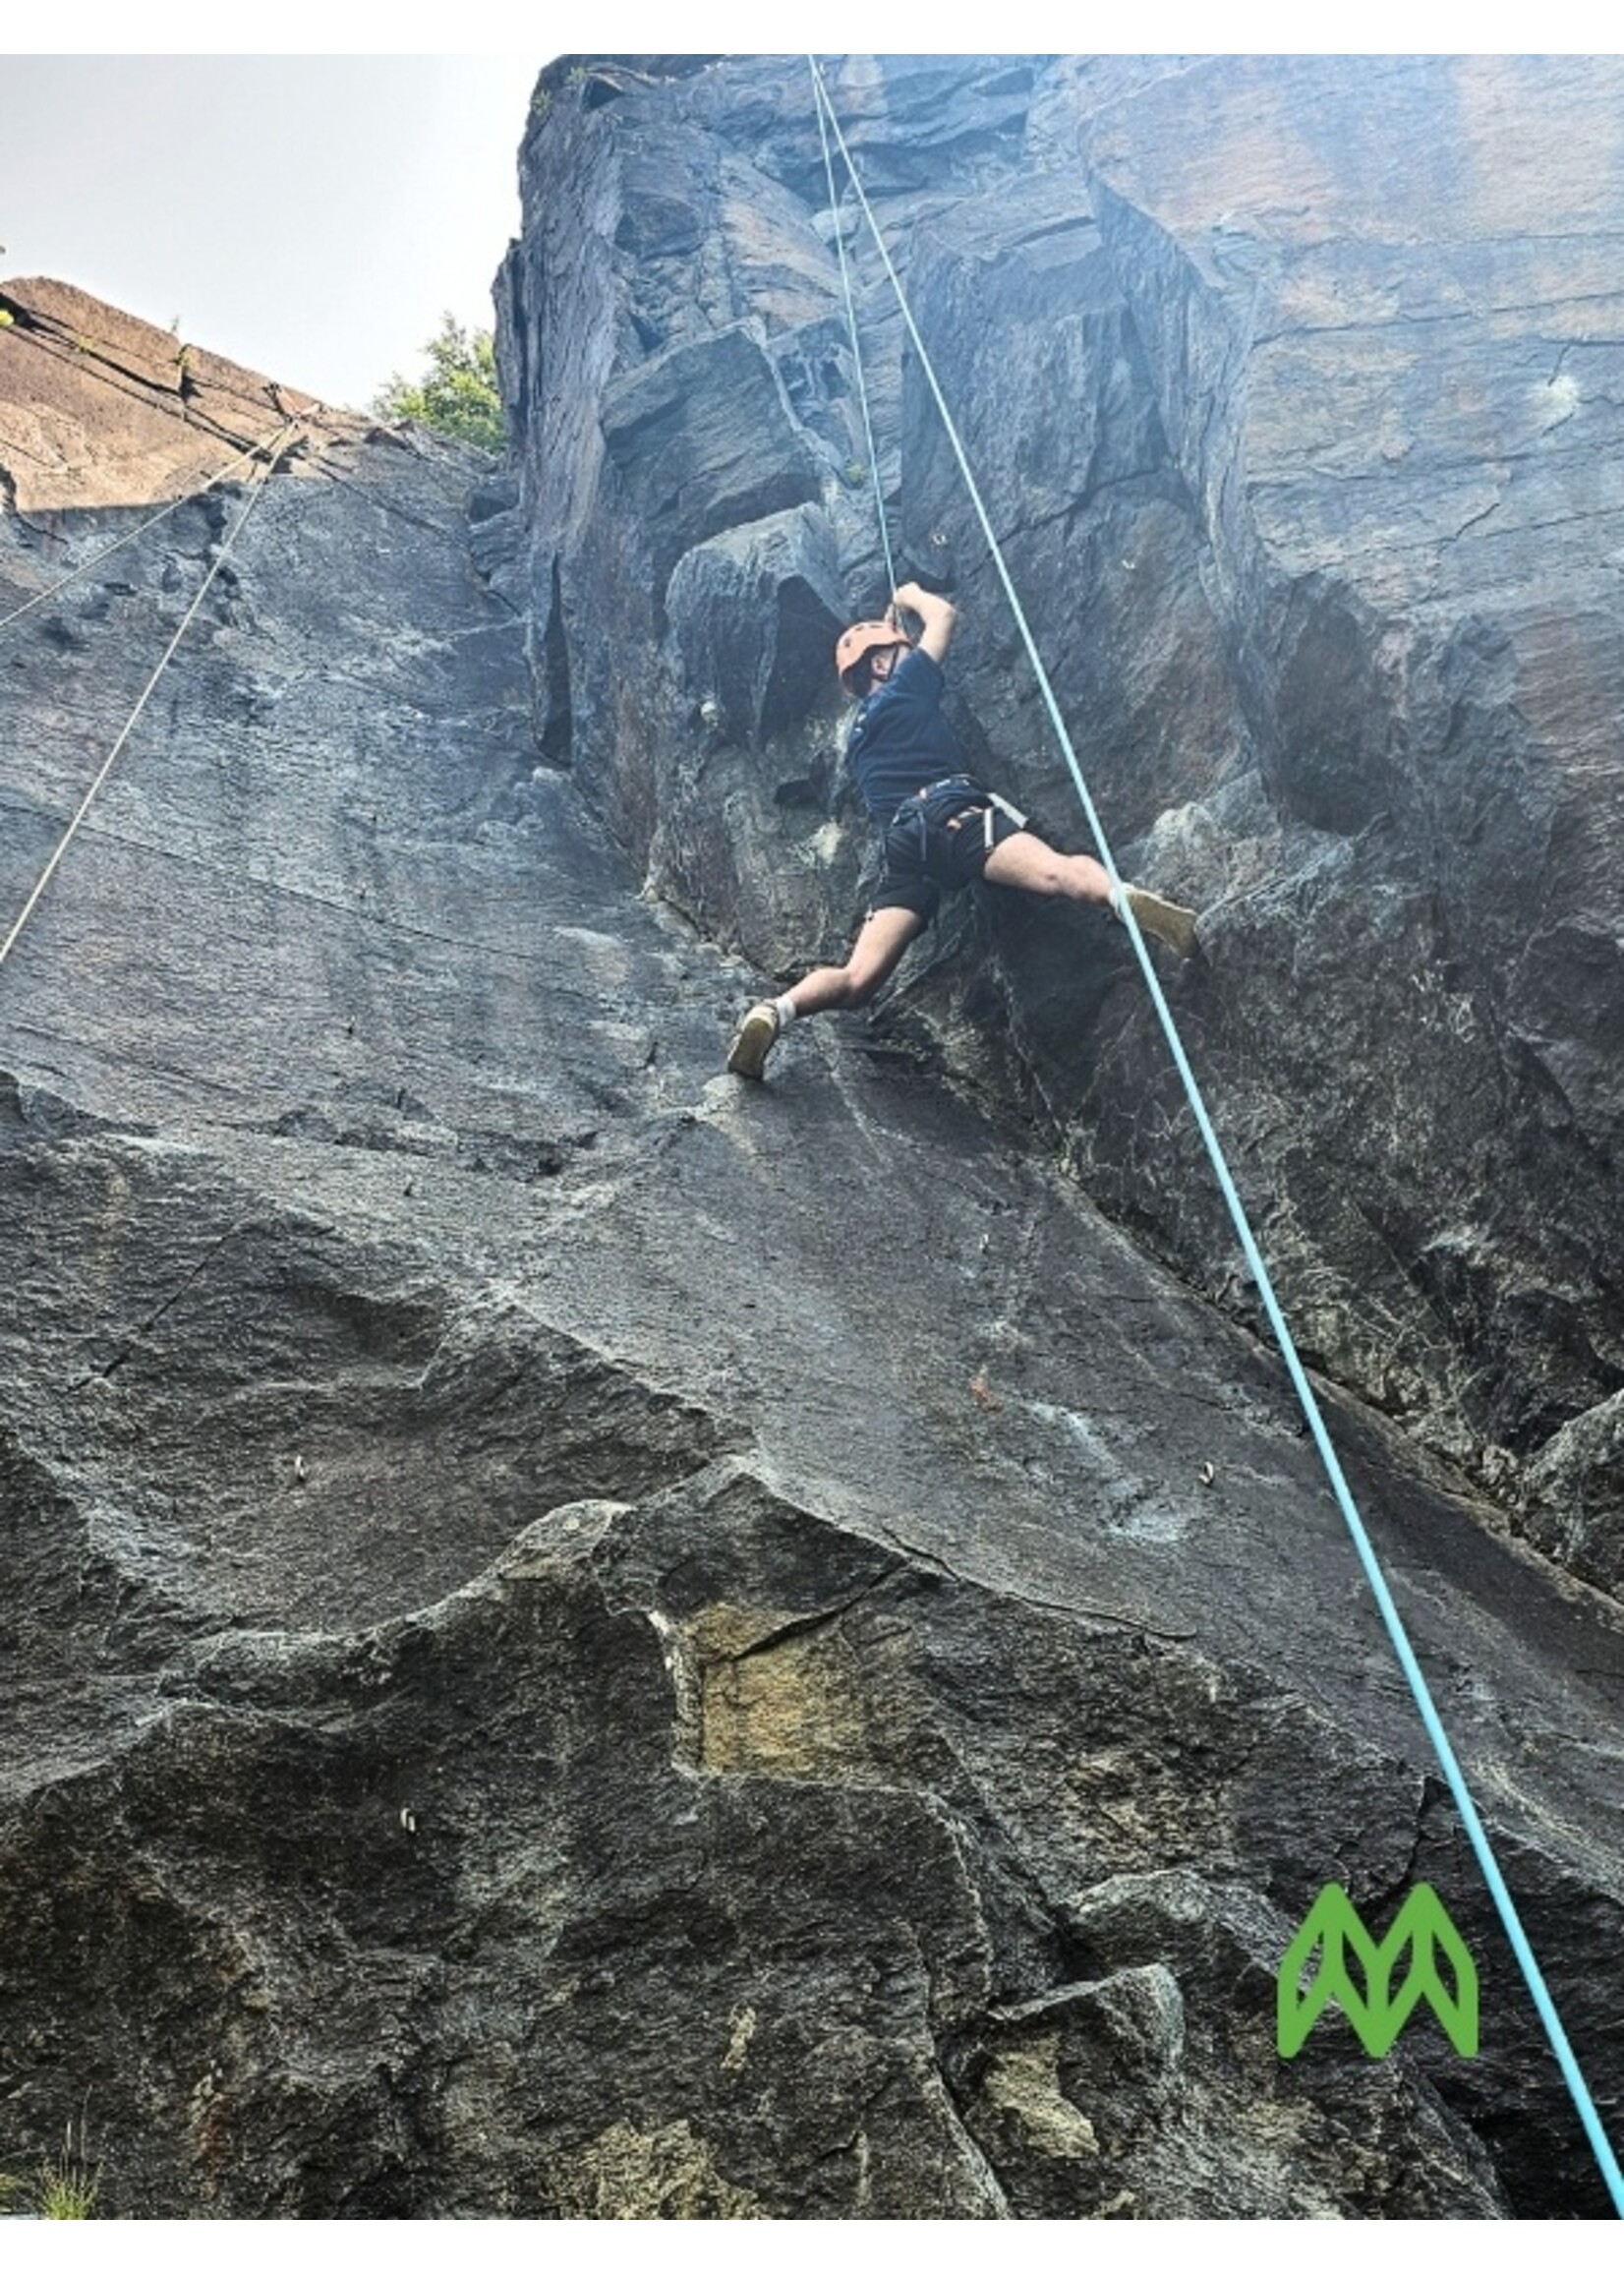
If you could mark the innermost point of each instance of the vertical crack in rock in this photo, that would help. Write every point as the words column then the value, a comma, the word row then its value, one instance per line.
column 557, row 723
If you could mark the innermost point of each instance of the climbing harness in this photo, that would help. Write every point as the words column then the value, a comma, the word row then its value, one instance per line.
column 253, row 450
column 260, row 476
column 1454, row 1777
column 945, row 808
column 994, row 807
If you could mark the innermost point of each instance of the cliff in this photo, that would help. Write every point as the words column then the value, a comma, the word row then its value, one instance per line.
column 1291, row 387
column 584, row 1639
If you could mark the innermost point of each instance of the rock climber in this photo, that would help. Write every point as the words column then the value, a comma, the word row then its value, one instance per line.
column 941, row 827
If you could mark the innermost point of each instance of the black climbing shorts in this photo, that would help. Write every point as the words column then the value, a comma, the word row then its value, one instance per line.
column 937, row 842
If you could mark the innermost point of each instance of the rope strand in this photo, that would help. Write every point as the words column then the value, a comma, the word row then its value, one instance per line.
column 256, row 492
column 835, row 204
column 1454, row 1777
column 253, row 450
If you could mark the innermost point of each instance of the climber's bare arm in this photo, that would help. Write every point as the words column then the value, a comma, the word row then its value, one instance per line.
column 937, row 616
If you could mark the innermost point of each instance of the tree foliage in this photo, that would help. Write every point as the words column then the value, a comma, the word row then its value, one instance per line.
column 458, row 395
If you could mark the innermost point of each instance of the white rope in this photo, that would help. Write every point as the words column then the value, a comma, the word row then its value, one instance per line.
column 256, row 492
column 253, row 450
column 836, row 201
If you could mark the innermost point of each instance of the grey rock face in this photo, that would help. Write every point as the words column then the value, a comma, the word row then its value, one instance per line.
column 756, row 614
column 1286, row 382
column 584, row 1640
column 1575, row 1508
column 99, row 409
column 702, row 442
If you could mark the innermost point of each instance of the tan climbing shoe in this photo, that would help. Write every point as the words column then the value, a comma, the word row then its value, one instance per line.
column 1163, row 921
column 754, row 1039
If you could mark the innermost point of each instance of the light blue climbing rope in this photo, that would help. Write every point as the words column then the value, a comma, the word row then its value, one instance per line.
column 835, row 203
column 1453, row 1774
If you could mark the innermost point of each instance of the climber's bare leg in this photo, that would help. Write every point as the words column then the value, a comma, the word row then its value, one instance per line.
column 886, row 937
column 1031, row 866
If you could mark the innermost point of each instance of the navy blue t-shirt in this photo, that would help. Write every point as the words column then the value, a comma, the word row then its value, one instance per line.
column 901, row 743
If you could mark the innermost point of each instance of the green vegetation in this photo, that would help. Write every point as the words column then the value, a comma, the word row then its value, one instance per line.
column 458, row 395
column 65, row 2187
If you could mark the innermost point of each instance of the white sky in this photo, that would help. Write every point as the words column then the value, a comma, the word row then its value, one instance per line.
column 312, row 217
column 314, row 214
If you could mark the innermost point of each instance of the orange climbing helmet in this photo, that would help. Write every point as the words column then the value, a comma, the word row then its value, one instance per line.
column 859, row 641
